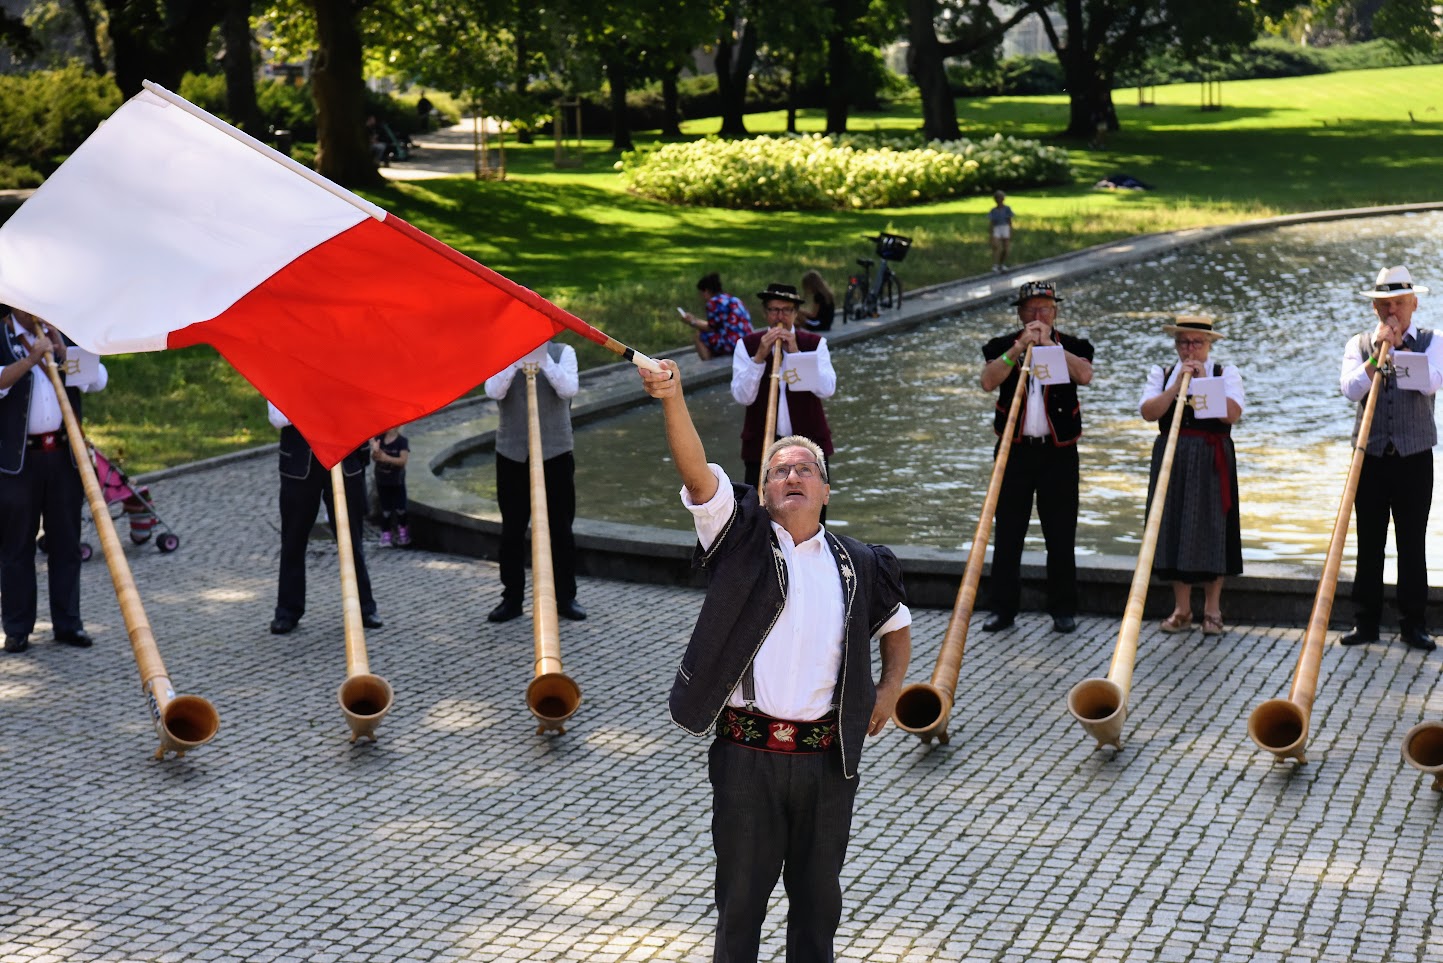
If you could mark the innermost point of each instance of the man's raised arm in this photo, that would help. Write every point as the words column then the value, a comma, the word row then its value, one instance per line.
column 686, row 447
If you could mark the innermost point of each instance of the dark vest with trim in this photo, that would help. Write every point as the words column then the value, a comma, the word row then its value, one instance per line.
column 1402, row 418
column 747, row 589
column 808, row 418
column 1189, row 418
column 298, row 461
column 1064, row 412
column 15, row 406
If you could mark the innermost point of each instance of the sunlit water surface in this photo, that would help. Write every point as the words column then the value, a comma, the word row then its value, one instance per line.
column 914, row 430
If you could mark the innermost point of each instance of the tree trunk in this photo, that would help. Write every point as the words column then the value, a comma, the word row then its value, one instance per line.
column 929, row 71
column 670, row 106
column 620, row 123
column 343, row 152
column 839, row 82
column 733, row 67
column 240, row 75
column 793, row 82
column 88, row 26
column 159, row 42
column 523, row 55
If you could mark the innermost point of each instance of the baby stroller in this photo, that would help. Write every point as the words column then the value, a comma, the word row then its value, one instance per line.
column 134, row 504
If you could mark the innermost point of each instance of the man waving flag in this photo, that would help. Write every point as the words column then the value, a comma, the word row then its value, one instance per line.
column 169, row 227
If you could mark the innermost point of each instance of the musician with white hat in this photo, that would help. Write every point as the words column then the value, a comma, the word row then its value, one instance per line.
column 1397, row 476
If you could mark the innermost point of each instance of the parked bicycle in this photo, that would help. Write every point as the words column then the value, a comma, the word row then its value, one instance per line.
column 866, row 298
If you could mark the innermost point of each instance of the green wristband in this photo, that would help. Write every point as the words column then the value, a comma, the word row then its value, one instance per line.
column 1372, row 360
column 1008, row 361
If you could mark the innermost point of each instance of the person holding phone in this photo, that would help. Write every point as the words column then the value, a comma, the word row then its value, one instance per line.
column 727, row 320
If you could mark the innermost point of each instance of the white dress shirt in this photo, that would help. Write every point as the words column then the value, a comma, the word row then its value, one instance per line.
column 562, row 374
column 1232, row 382
column 1357, row 375
column 45, row 415
column 797, row 667
column 747, row 380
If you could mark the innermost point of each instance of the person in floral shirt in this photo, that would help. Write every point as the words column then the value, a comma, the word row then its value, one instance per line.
column 726, row 322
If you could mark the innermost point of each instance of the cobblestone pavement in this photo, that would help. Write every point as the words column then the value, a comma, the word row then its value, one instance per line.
column 463, row 835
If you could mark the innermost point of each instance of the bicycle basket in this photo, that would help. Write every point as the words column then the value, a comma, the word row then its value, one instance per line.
column 893, row 247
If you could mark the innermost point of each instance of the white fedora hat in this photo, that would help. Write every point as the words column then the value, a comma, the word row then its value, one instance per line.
column 1394, row 282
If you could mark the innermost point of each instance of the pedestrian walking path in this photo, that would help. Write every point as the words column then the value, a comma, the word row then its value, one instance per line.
column 463, row 835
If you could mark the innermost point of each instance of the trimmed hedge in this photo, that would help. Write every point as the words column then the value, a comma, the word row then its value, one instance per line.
column 816, row 172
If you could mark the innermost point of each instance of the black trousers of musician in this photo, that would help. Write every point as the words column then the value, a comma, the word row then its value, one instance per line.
column 1051, row 474
column 300, row 503
column 1403, row 488
column 47, row 487
column 778, row 813
column 513, row 496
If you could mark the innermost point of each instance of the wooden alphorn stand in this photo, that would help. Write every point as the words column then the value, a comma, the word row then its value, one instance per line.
column 551, row 696
column 365, row 698
column 1281, row 725
column 923, row 708
column 182, row 722
column 1100, row 705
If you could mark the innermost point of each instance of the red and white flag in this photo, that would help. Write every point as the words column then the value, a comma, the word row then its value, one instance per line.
column 169, row 228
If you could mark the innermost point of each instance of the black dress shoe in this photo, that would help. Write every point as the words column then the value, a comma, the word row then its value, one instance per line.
column 505, row 612
column 571, row 610
column 76, row 637
column 17, row 643
column 1417, row 637
column 1064, row 623
column 281, row 625
column 371, row 620
column 997, row 622
column 1361, row 635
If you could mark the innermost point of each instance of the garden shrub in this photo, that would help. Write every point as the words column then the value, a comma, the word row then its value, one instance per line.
column 46, row 114
column 815, row 172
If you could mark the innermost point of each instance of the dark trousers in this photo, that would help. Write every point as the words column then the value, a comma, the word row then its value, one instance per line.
column 300, row 502
column 1052, row 475
column 48, row 488
column 393, row 504
column 1403, row 488
column 513, row 496
column 787, row 814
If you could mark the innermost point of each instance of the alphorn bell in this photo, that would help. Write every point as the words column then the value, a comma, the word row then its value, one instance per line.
column 1423, row 750
column 365, row 698
column 923, row 707
column 181, row 722
column 551, row 696
column 1281, row 725
column 774, row 392
column 1101, row 704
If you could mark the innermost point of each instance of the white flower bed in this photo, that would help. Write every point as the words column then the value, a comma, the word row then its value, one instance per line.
column 811, row 172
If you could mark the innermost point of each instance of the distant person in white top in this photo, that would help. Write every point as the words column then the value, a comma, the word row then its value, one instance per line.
column 999, row 221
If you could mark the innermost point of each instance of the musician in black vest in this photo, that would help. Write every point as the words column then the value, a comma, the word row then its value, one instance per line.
column 557, row 382
column 1043, row 460
column 798, row 412
column 1397, row 476
column 38, row 480
column 305, row 483
column 780, row 667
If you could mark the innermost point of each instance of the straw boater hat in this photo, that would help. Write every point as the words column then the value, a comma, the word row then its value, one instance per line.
column 1394, row 282
column 780, row 292
column 1193, row 324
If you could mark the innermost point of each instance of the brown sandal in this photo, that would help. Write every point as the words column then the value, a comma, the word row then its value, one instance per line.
column 1213, row 624
column 1177, row 622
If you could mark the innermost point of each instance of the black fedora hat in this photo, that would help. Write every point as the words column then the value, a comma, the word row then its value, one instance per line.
column 780, row 292
column 1036, row 289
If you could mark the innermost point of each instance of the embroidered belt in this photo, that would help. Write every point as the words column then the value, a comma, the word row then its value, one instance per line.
column 49, row 441
column 756, row 730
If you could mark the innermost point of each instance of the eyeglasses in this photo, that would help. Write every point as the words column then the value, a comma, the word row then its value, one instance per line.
column 1190, row 342
column 782, row 309
column 804, row 470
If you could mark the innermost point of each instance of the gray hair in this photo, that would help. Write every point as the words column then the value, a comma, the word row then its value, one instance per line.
column 796, row 441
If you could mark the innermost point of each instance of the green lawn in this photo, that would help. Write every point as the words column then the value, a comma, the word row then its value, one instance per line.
column 624, row 263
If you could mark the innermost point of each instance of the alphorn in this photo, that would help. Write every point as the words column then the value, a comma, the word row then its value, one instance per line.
column 365, row 698
column 1281, row 725
column 181, row 722
column 1423, row 750
column 769, row 432
column 1101, row 704
column 923, row 707
column 551, row 696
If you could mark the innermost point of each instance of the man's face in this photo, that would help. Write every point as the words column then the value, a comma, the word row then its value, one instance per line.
column 782, row 313
column 1397, row 312
column 792, row 485
column 1038, row 309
